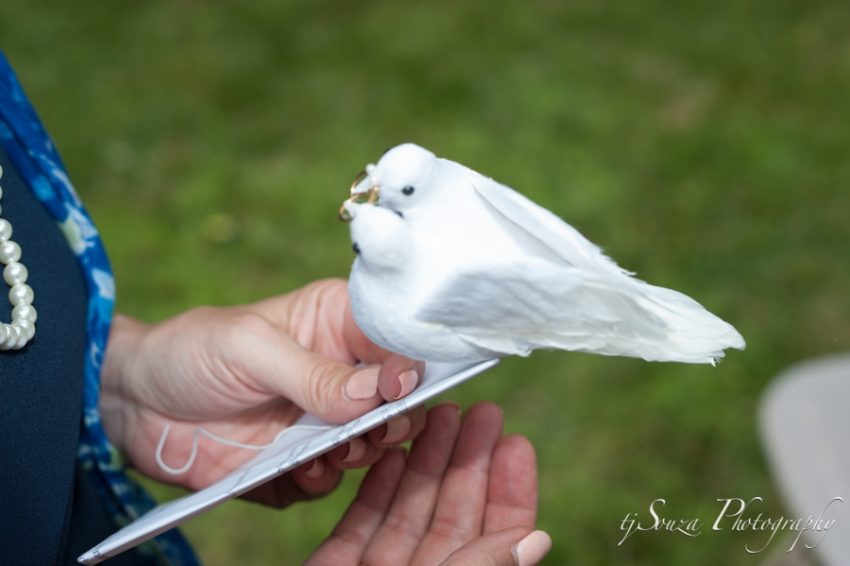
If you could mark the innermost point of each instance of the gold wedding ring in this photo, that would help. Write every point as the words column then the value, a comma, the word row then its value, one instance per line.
column 369, row 196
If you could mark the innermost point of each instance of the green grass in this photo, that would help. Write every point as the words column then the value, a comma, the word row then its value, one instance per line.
column 702, row 144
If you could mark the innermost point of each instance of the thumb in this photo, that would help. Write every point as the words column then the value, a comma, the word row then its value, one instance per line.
column 333, row 391
column 508, row 547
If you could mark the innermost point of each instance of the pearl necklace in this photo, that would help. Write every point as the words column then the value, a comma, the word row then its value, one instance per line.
column 15, row 335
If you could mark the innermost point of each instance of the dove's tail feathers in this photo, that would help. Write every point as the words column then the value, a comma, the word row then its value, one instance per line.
column 656, row 324
column 648, row 322
column 692, row 333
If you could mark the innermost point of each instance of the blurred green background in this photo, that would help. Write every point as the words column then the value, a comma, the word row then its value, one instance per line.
column 704, row 145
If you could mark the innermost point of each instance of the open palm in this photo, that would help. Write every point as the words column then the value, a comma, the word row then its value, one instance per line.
column 465, row 495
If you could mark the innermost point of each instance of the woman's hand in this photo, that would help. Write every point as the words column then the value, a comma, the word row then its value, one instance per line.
column 465, row 495
column 245, row 373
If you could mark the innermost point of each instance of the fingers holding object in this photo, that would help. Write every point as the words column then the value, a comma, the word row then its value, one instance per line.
column 399, row 376
column 316, row 478
column 365, row 450
column 334, row 391
column 356, row 453
column 400, row 429
column 311, row 480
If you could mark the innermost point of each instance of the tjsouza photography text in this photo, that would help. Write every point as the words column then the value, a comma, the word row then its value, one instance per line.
column 734, row 514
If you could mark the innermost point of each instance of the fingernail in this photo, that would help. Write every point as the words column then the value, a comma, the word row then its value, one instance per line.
column 356, row 450
column 316, row 470
column 532, row 548
column 397, row 429
column 407, row 381
column 361, row 385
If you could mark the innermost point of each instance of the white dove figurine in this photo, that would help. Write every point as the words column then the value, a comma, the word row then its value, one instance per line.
column 453, row 266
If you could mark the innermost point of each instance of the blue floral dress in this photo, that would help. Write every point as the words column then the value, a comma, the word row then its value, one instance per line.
column 28, row 145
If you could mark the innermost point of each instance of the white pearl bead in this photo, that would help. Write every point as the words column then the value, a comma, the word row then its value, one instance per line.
column 27, row 330
column 3, row 334
column 20, row 294
column 24, row 312
column 22, row 338
column 13, row 333
column 15, row 273
column 9, row 252
column 5, row 230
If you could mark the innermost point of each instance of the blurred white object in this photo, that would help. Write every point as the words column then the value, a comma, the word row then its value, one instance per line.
column 805, row 427
column 454, row 266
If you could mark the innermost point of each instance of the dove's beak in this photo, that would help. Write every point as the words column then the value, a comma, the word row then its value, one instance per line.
column 362, row 191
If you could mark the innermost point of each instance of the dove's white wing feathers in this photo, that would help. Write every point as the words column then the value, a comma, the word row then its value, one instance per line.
column 567, row 294
column 548, row 229
column 495, row 308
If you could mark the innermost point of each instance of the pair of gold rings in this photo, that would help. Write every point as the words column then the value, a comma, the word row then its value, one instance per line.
column 369, row 196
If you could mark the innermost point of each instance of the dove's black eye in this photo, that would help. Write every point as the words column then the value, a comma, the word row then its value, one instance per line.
column 356, row 248
column 408, row 190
